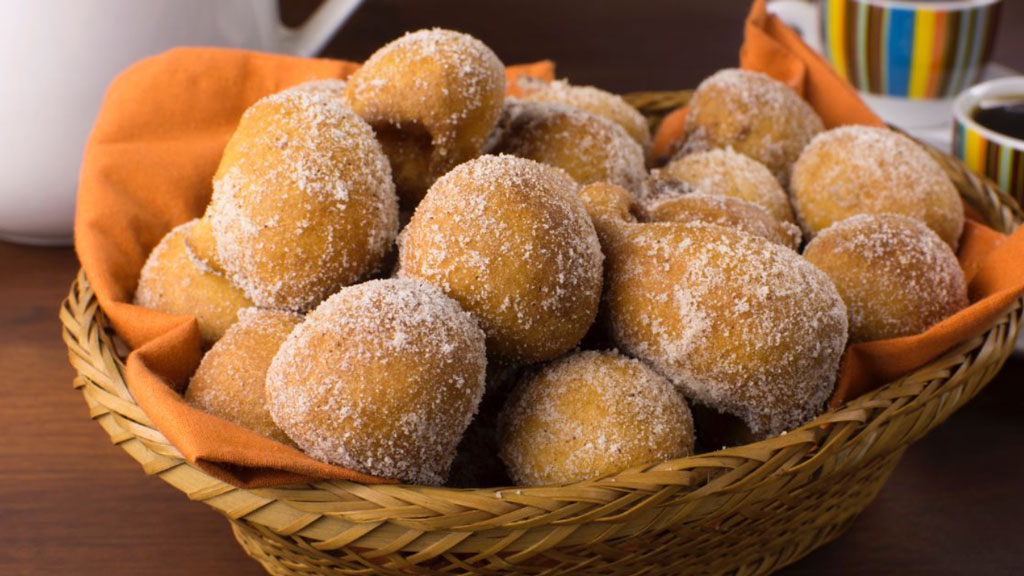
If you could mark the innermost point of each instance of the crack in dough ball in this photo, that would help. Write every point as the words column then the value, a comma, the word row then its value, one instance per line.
column 382, row 378
column 303, row 202
column 175, row 281
column 896, row 276
column 230, row 380
column 432, row 96
column 740, row 324
column 510, row 241
column 862, row 170
column 725, row 172
column 588, row 147
column 594, row 100
column 724, row 211
column 753, row 113
column 591, row 414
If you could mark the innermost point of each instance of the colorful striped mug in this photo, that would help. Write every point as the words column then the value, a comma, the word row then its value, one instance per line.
column 998, row 156
column 907, row 58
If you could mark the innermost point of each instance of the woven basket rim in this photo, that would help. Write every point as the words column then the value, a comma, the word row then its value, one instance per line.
column 341, row 513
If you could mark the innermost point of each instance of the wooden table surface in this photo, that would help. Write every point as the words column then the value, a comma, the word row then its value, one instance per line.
column 71, row 503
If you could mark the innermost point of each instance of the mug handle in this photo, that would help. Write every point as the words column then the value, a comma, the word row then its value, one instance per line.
column 308, row 39
column 803, row 17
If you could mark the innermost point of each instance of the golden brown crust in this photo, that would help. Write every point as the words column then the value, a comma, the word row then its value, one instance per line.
column 175, row 281
column 303, row 202
column 753, row 113
column 230, row 380
column 725, row 172
column 737, row 322
column 509, row 239
column 895, row 275
column 588, row 147
column 594, row 100
column 432, row 96
column 591, row 414
column 383, row 378
column 724, row 211
column 863, row 170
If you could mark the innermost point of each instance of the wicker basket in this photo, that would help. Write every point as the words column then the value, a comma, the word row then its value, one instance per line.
column 746, row 510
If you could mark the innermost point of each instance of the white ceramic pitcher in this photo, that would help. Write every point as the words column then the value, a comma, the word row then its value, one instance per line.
column 56, row 59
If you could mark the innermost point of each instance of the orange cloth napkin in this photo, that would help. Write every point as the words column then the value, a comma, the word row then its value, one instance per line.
column 771, row 47
column 148, row 167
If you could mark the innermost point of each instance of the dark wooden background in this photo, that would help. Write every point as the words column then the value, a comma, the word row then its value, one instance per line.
column 70, row 503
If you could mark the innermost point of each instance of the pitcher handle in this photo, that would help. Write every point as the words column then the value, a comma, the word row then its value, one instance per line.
column 308, row 39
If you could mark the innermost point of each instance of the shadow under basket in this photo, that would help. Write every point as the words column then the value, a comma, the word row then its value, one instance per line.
column 746, row 510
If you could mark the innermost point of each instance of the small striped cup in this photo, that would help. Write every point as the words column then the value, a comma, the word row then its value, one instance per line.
column 908, row 58
column 998, row 156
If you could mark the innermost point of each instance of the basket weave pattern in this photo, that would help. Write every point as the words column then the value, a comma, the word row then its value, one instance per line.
column 745, row 510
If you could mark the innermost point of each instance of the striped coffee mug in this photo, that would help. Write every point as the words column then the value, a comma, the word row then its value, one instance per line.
column 983, row 150
column 908, row 58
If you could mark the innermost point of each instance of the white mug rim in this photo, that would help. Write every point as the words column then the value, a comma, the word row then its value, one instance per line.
column 966, row 101
column 945, row 6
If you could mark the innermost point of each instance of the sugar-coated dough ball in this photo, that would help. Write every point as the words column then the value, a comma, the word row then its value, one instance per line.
column 510, row 240
column 739, row 323
column 432, row 96
column 725, row 172
column 229, row 382
column 382, row 378
column 753, row 113
column 173, row 280
column 588, row 147
column 591, row 414
column 863, row 170
column 723, row 211
column 895, row 275
column 607, row 205
column 303, row 202
column 593, row 100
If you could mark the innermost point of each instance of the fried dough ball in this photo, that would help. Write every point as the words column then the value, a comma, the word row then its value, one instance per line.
column 303, row 202
column 724, row 211
column 509, row 240
column 607, row 205
column 591, row 414
column 176, row 282
column 862, row 170
column 432, row 96
column 590, row 148
column 203, row 245
column 593, row 100
column 739, row 323
column 895, row 275
column 230, row 380
column 725, row 172
column 382, row 378
column 753, row 113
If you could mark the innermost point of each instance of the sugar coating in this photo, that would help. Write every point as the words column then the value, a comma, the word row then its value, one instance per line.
column 593, row 100
column 588, row 147
column 591, row 414
column 334, row 87
column 230, row 380
column 896, row 276
column 739, row 323
column 442, row 87
column 383, row 378
column 175, row 281
column 303, row 201
column 757, row 115
column 864, row 170
column 723, row 211
column 509, row 239
column 725, row 172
